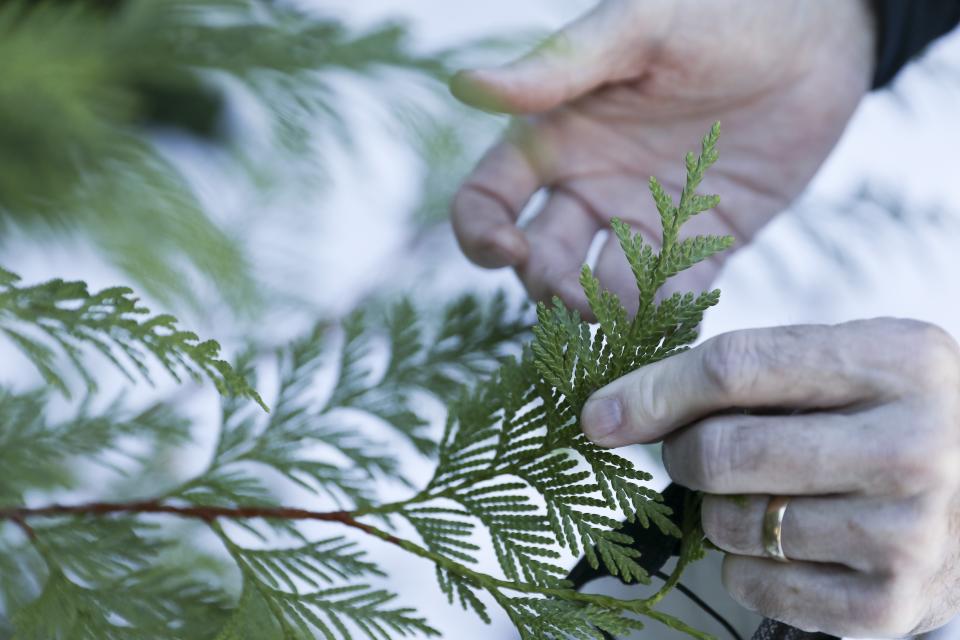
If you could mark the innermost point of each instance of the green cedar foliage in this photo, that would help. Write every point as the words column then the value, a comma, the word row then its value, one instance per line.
column 421, row 360
column 513, row 458
column 87, row 85
column 91, row 568
column 113, row 322
column 219, row 555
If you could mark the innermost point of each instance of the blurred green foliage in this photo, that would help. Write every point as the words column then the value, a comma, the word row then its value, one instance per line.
column 87, row 85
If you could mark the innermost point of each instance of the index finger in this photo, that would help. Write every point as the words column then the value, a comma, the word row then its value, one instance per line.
column 799, row 367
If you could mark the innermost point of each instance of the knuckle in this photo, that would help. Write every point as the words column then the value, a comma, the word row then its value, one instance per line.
column 763, row 594
column 918, row 545
column 727, row 525
column 765, row 601
column 647, row 404
column 924, row 462
column 702, row 465
column 887, row 607
column 941, row 471
column 731, row 363
column 935, row 356
column 738, row 450
column 902, row 558
column 739, row 583
column 724, row 454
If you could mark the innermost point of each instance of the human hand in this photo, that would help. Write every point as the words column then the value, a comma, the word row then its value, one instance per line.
column 620, row 94
column 871, row 457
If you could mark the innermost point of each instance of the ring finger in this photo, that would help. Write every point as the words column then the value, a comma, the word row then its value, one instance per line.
column 844, row 530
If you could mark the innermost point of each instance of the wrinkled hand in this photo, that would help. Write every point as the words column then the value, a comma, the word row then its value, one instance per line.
column 871, row 456
column 622, row 93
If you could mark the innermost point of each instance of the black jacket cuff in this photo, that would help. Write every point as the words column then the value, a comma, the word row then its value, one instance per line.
column 905, row 28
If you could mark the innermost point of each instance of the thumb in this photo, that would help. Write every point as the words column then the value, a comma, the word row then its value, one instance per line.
column 602, row 46
column 651, row 402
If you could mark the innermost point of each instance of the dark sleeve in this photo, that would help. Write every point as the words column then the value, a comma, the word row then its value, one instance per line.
column 905, row 28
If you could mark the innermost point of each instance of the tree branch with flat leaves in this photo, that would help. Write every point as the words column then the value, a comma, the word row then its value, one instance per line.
column 511, row 463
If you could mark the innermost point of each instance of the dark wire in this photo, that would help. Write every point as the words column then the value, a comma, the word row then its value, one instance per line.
column 697, row 600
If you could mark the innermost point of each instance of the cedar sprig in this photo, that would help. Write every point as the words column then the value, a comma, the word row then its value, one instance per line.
column 64, row 315
column 512, row 466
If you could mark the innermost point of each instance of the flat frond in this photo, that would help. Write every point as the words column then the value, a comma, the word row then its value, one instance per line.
column 512, row 464
column 515, row 461
column 69, row 317
column 37, row 453
column 548, row 619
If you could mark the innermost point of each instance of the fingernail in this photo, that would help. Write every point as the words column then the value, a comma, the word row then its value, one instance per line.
column 601, row 417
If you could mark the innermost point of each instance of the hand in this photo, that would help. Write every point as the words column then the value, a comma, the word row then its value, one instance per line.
column 622, row 93
column 871, row 456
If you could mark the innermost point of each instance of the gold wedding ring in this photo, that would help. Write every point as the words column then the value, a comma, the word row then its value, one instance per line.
column 773, row 528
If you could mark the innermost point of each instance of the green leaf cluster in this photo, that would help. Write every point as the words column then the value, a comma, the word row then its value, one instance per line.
column 285, row 584
column 97, row 571
column 89, row 85
column 37, row 453
column 113, row 579
column 420, row 360
column 63, row 315
column 513, row 458
column 513, row 471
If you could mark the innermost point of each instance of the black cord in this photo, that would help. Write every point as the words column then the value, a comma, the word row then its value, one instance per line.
column 697, row 600
column 655, row 549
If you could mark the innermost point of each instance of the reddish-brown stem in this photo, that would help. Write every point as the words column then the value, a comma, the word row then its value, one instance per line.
column 206, row 513
column 20, row 515
column 26, row 528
